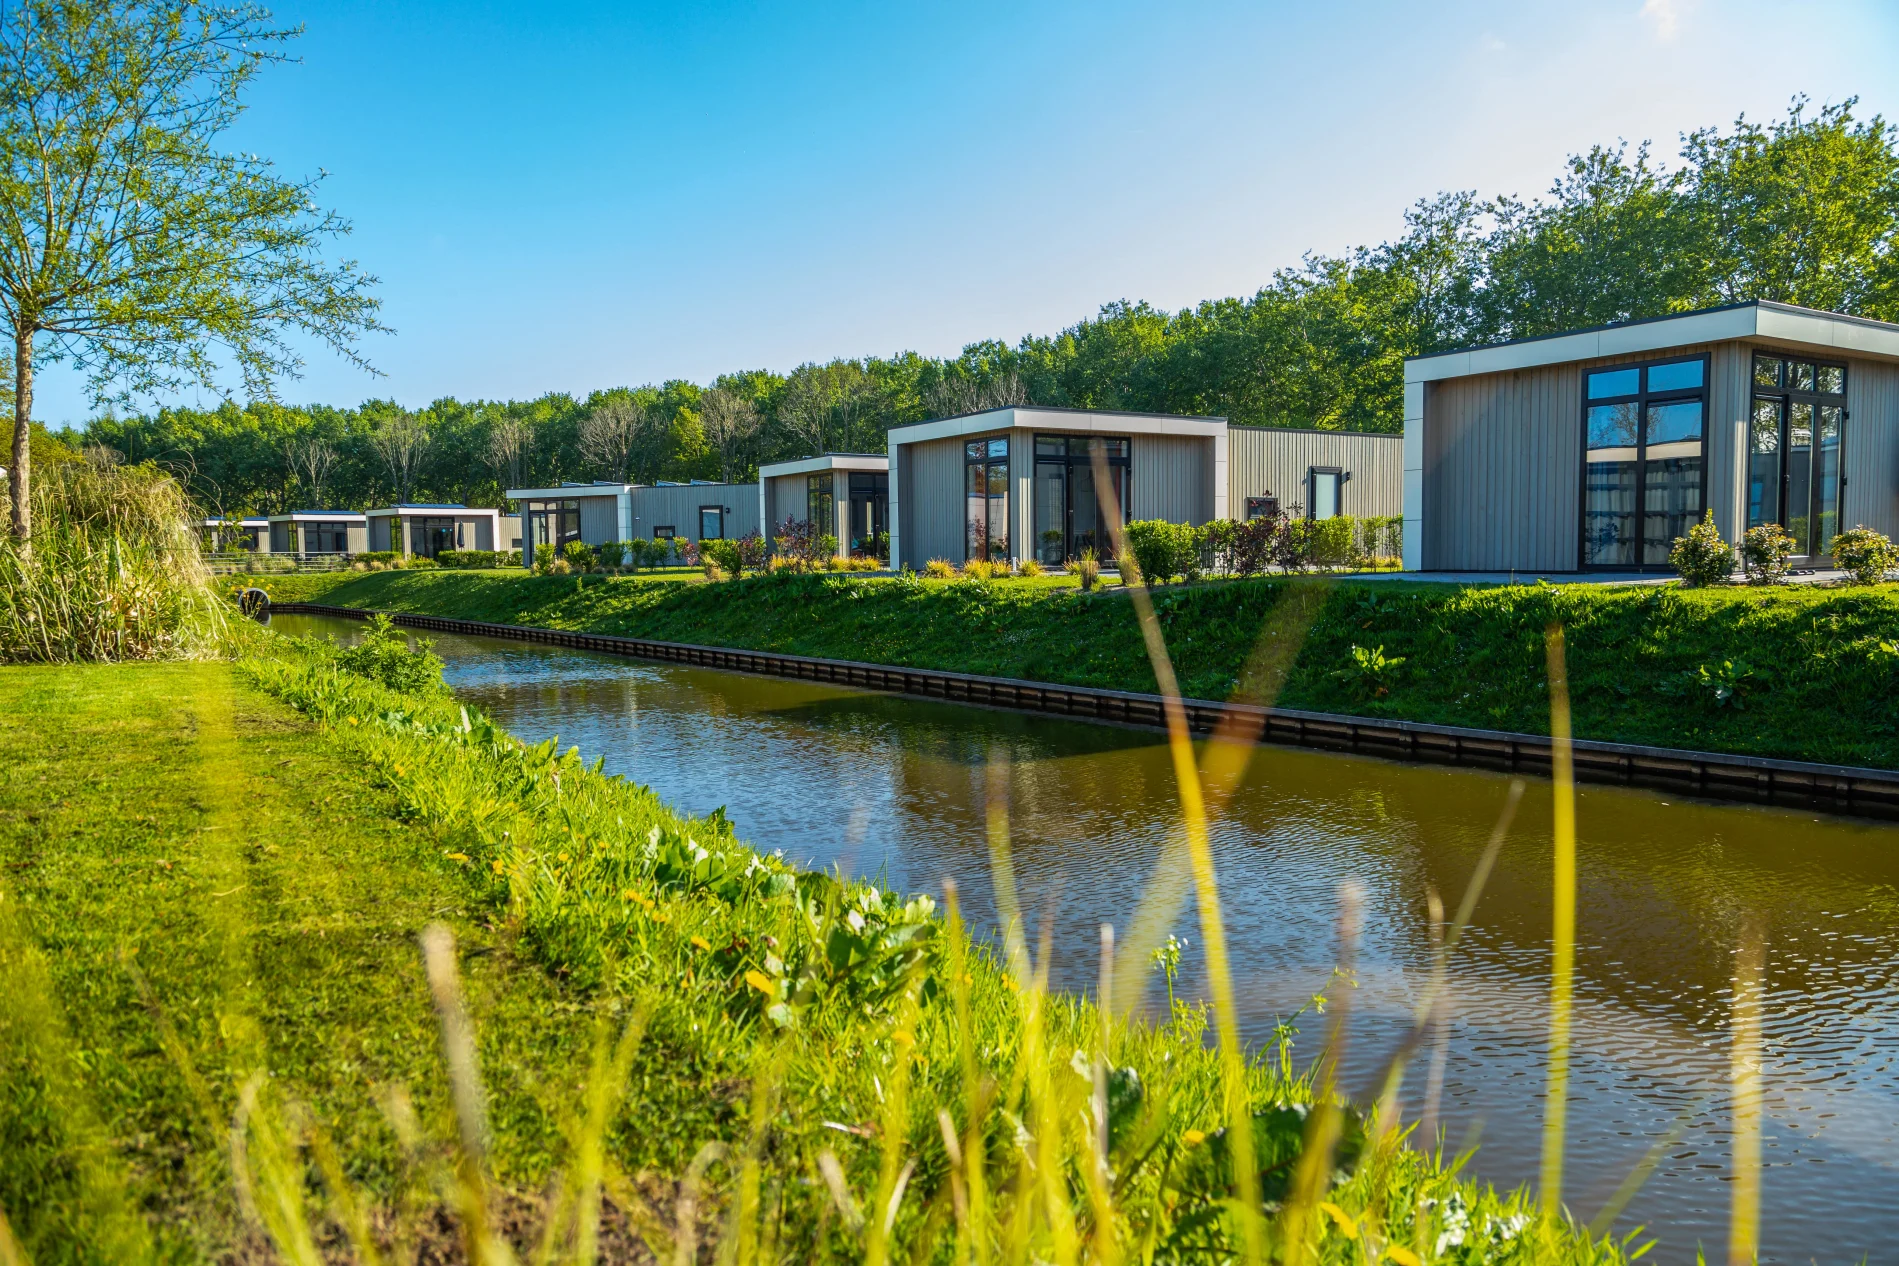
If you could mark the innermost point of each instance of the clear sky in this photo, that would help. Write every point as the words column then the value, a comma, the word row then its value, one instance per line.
column 592, row 195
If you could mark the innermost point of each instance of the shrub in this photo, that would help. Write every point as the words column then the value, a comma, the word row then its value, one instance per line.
column 473, row 558
column 979, row 569
column 713, row 570
column 1331, row 542
column 387, row 557
column 614, row 553
column 939, row 569
column 723, row 555
column 578, row 555
column 114, row 571
column 1865, row 554
column 837, row 562
column 1029, row 568
column 1249, row 548
column 558, row 566
column 686, row 550
column 801, row 546
column 384, row 656
column 1163, row 550
column 752, row 552
column 1702, row 557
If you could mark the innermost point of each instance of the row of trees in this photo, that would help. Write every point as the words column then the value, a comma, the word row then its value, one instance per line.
column 1804, row 209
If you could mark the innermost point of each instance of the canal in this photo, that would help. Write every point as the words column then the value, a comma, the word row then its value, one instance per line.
column 894, row 788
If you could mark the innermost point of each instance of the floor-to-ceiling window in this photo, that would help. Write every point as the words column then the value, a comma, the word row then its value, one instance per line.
column 429, row 537
column 1644, row 458
column 820, row 503
column 1793, row 449
column 1070, row 514
column 869, row 511
column 551, row 524
column 986, row 499
column 326, row 538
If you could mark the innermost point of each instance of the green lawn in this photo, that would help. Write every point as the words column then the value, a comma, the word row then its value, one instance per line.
column 184, row 854
column 1795, row 672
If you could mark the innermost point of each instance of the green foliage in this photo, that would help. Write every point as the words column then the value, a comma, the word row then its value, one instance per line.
column 114, row 571
column 1765, row 551
column 1474, row 653
column 1726, row 684
column 481, row 558
column 1371, row 673
column 139, row 239
column 1864, row 554
column 578, row 555
column 385, row 656
column 725, row 554
column 1702, row 557
column 1163, row 550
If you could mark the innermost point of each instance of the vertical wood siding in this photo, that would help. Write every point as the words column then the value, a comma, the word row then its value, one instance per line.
column 931, row 502
column 1871, row 454
column 1172, row 477
column 599, row 519
column 1276, row 460
column 379, row 535
column 678, row 508
column 1503, row 460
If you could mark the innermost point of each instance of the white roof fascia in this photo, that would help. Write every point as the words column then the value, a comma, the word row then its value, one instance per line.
column 1027, row 417
column 568, row 494
column 1796, row 326
column 1809, row 329
column 830, row 461
column 320, row 516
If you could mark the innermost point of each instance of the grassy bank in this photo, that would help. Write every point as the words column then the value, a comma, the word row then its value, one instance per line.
column 208, row 919
column 1795, row 672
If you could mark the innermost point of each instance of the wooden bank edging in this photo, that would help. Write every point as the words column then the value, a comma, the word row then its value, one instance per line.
column 1835, row 788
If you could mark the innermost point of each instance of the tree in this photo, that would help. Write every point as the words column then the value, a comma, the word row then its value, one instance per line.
column 1805, row 211
column 612, row 434
column 310, row 460
column 142, row 251
column 402, row 441
column 731, row 423
column 510, row 438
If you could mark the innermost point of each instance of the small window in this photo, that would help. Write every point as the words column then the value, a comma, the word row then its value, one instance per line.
column 1800, row 376
column 1325, row 492
column 1610, row 383
column 712, row 523
column 1681, row 375
column 1266, row 507
column 663, row 532
column 1832, row 380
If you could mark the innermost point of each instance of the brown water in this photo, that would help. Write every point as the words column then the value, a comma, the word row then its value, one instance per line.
column 893, row 788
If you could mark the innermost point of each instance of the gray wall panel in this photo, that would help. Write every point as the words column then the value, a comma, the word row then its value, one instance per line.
column 1872, row 447
column 1172, row 477
column 932, row 502
column 678, row 508
column 1277, row 460
column 599, row 519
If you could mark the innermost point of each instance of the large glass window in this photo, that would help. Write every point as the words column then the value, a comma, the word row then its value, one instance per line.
column 326, row 538
column 986, row 499
column 820, row 503
column 1795, row 428
column 1644, row 453
column 1073, row 511
column 429, row 537
column 869, row 513
column 551, row 524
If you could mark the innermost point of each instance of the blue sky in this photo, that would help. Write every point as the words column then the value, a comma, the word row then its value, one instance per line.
column 591, row 195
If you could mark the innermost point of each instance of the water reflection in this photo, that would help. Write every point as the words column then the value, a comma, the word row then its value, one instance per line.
column 893, row 788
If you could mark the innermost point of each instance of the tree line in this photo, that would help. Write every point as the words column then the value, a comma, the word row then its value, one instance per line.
column 1803, row 209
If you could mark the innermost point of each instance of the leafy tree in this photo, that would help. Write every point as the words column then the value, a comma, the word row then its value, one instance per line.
column 731, row 423
column 612, row 433
column 139, row 248
column 402, row 440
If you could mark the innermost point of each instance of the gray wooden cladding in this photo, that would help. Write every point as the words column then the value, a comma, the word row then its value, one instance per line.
column 1277, row 460
column 1717, row 775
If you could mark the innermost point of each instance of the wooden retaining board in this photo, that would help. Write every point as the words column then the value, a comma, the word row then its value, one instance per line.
column 1716, row 775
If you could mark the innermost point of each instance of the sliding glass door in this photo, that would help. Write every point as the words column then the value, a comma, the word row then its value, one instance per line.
column 1794, row 475
column 1071, row 512
column 1644, row 458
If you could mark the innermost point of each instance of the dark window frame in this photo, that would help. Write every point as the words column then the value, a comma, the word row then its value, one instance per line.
column 987, row 460
column 1642, row 398
column 560, row 508
column 1069, row 458
column 1312, row 489
column 1788, row 396
column 820, row 489
column 718, row 510
column 664, row 532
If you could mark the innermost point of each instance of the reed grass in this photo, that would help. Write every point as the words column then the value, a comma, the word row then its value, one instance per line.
column 113, row 571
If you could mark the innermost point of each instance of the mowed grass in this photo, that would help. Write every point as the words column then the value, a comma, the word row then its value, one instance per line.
column 195, row 889
column 1797, row 672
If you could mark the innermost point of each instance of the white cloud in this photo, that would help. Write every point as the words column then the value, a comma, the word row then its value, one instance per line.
column 1665, row 15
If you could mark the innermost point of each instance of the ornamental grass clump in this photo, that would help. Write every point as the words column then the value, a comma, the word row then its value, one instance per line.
column 112, row 572
column 1702, row 557
column 1865, row 555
